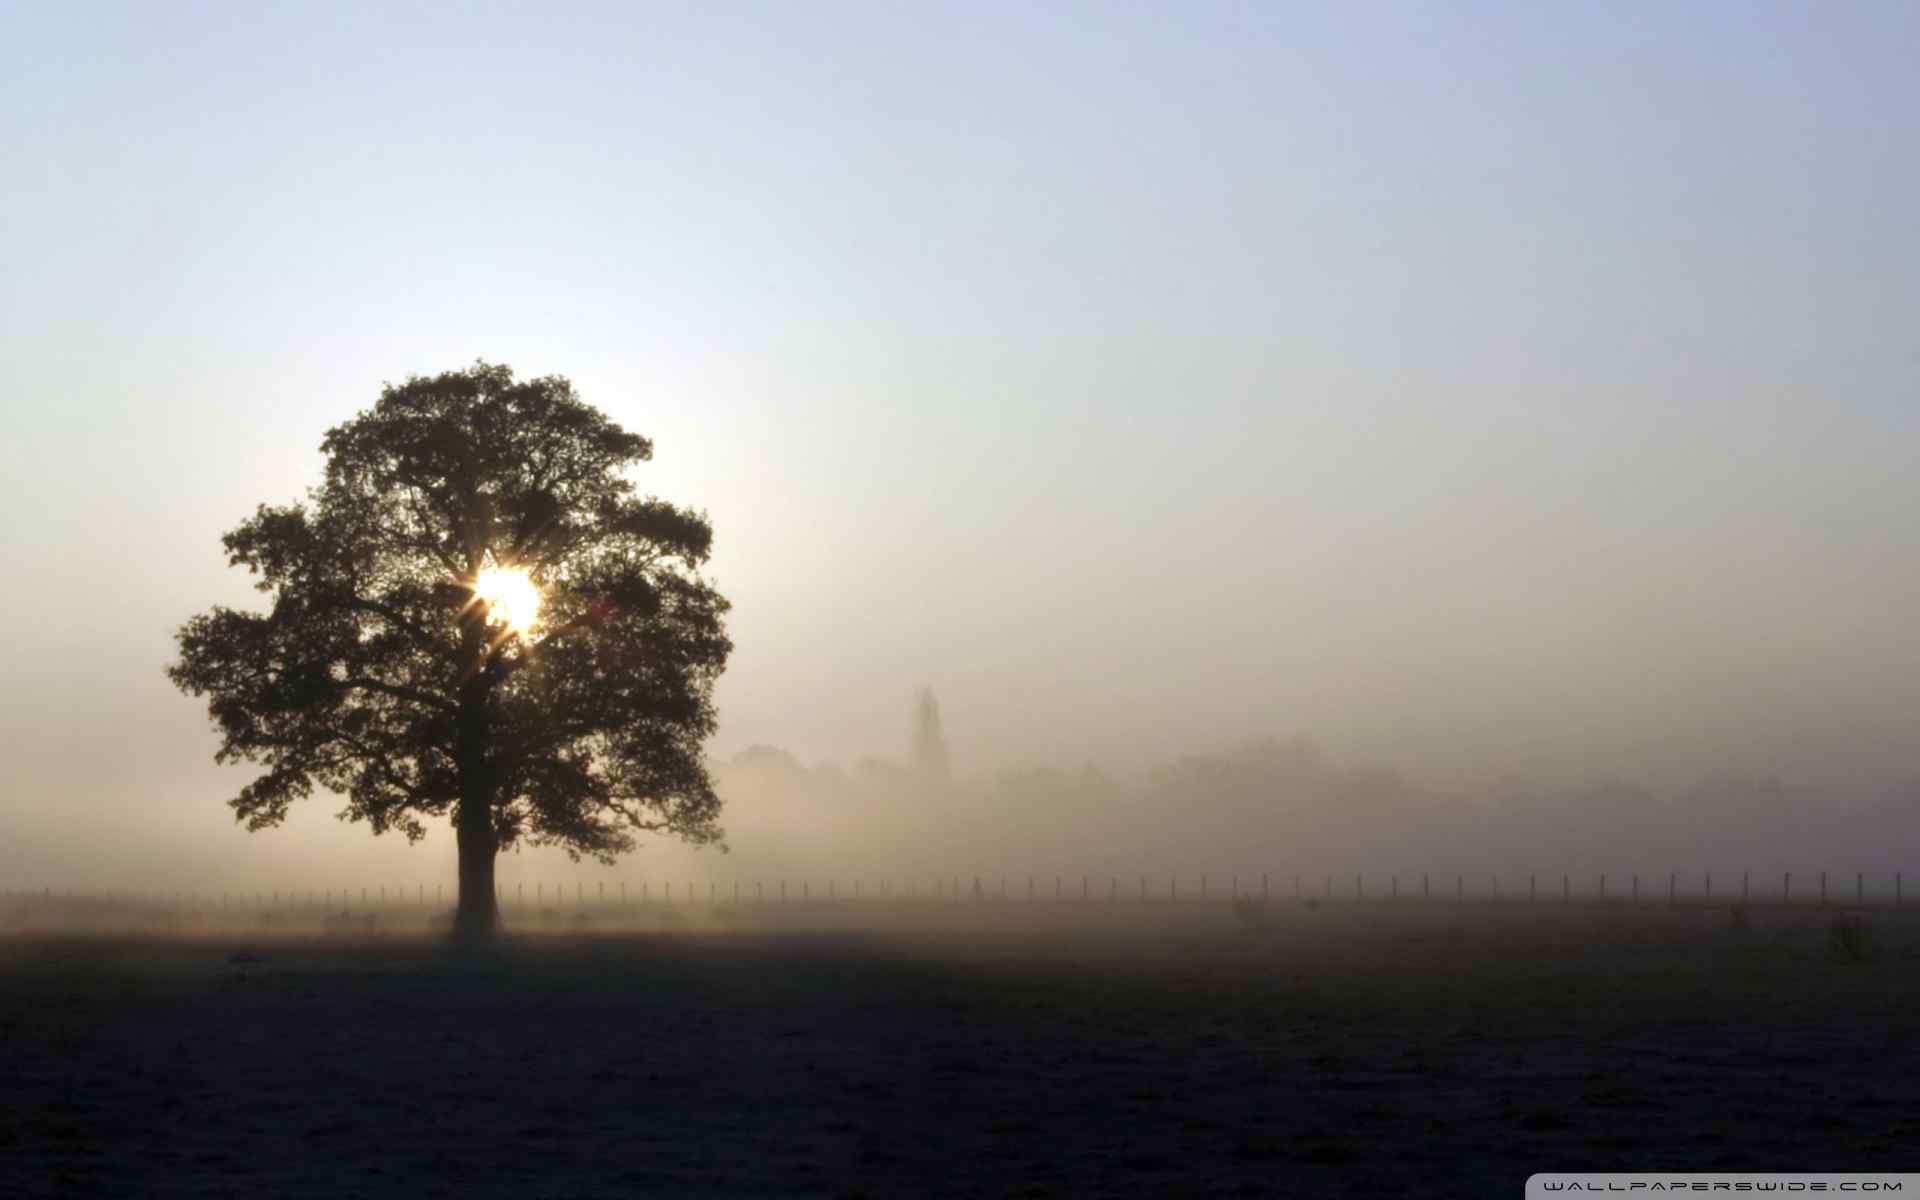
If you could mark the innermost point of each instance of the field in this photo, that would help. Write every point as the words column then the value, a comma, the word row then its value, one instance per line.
column 984, row 1049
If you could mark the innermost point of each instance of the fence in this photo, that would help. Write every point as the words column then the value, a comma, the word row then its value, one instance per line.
column 1674, row 888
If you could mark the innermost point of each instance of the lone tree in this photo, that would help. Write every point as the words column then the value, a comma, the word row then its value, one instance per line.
column 474, row 615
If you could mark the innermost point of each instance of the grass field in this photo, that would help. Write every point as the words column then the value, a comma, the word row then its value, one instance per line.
column 987, row 1050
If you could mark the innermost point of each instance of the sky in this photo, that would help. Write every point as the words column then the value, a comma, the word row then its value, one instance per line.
column 1484, row 389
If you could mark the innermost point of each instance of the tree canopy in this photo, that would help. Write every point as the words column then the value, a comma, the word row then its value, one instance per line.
column 381, row 672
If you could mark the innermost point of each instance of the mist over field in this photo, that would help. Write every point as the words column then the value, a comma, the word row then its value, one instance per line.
column 1280, row 810
column 1286, row 808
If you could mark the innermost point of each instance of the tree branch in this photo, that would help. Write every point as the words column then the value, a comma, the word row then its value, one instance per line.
column 401, row 691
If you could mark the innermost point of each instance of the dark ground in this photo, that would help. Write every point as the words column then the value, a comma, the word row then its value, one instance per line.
column 992, row 1052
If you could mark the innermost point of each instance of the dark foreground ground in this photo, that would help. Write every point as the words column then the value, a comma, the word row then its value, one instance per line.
column 1315, row 1052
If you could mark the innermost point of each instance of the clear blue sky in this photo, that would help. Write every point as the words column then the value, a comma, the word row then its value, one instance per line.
column 1480, row 387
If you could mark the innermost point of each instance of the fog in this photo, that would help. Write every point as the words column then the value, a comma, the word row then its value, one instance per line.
column 1281, row 815
column 1286, row 812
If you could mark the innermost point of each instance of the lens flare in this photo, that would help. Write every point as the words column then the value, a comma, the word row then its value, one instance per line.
column 510, row 598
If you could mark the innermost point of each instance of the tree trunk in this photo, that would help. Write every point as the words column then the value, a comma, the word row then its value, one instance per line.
column 478, row 916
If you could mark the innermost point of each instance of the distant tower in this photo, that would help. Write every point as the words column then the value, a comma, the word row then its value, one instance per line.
column 929, row 754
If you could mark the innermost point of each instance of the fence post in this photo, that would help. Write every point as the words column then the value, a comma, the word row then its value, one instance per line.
column 1786, row 886
column 1566, row 889
column 1673, row 885
column 1636, row 887
column 1394, row 887
column 1746, row 885
column 1860, row 887
column 1896, row 889
column 1426, row 889
column 1709, row 887
column 1329, row 887
column 1358, row 890
column 1459, row 888
column 1533, row 887
column 1263, row 885
column 1603, row 885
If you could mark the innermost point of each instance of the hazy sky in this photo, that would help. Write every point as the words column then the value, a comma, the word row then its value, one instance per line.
column 1478, row 387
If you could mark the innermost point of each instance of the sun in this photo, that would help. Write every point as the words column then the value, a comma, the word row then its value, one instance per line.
column 510, row 597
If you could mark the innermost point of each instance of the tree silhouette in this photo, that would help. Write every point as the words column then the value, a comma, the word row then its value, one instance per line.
column 397, row 666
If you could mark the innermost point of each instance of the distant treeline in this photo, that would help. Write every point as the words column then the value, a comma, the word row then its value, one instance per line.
column 1285, row 805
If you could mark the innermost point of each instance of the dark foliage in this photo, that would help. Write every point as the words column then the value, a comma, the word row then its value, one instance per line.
column 374, row 673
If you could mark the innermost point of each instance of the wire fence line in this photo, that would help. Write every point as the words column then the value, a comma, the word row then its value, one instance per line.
column 1673, row 888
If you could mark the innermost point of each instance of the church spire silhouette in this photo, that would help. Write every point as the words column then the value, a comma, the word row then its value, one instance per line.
column 929, row 750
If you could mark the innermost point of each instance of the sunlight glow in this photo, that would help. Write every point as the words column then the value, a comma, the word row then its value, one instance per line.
column 511, row 598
